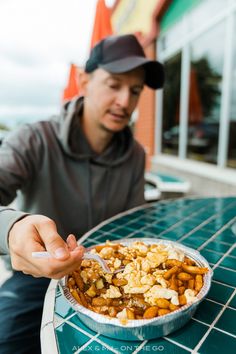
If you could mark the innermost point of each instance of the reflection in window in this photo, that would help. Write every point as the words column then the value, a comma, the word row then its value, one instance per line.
column 205, row 94
column 171, row 106
column 232, row 127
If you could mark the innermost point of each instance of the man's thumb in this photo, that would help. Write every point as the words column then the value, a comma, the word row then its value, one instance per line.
column 53, row 242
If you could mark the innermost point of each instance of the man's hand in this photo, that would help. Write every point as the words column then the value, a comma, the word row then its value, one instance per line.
column 39, row 233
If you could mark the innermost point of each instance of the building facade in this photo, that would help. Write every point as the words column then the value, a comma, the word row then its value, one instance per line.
column 195, row 132
column 192, row 121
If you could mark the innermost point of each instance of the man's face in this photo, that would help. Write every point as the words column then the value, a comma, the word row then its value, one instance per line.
column 110, row 99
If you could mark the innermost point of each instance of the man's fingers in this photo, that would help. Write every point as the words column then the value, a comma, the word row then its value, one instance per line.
column 71, row 242
column 53, row 242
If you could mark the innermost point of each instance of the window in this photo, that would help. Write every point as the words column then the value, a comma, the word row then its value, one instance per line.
column 170, row 131
column 206, row 68
column 232, row 127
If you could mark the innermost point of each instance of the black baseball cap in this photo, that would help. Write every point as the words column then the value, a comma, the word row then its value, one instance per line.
column 120, row 54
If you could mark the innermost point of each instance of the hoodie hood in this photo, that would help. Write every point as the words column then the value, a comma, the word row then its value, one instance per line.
column 76, row 145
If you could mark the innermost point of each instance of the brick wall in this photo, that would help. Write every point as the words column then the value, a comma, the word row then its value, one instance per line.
column 145, row 124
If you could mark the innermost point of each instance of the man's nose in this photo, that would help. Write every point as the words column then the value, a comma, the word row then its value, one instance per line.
column 123, row 98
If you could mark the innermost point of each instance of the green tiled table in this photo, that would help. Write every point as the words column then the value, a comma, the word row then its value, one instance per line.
column 203, row 224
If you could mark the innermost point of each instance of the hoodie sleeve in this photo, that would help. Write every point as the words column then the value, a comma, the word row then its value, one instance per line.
column 19, row 157
column 136, row 195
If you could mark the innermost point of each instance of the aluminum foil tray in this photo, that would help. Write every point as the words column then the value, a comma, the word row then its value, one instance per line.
column 142, row 329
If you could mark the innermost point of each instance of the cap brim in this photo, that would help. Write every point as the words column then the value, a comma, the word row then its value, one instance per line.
column 154, row 71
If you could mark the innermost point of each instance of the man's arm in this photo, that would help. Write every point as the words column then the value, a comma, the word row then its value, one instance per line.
column 22, row 234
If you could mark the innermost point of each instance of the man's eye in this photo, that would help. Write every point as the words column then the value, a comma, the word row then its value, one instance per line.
column 114, row 86
column 136, row 92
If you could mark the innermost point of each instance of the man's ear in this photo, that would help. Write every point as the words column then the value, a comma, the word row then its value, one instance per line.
column 83, row 79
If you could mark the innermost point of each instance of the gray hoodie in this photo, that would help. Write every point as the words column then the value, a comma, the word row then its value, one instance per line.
column 51, row 169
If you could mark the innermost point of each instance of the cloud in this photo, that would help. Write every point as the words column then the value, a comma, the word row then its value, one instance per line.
column 37, row 46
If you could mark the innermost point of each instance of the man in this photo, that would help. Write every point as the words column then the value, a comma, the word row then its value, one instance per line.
column 69, row 173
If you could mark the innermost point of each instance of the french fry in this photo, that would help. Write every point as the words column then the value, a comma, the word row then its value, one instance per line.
column 163, row 303
column 83, row 299
column 194, row 269
column 189, row 261
column 182, row 300
column 181, row 290
column 173, row 262
column 173, row 283
column 198, row 282
column 71, row 283
column 79, row 281
column 179, row 282
column 173, row 307
column 119, row 282
column 167, row 275
column 76, row 296
column 191, row 284
column 100, row 247
column 130, row 314
column 151, row 312
column 184, row 276
column 162, row 312
column 100, row 301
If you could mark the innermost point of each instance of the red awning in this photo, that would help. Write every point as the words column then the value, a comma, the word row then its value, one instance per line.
column 72, row 88
column 102, row 23
column 101, row 28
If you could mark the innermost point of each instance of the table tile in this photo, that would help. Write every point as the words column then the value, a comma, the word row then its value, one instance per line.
column 225, row 276
column 76, row 321
column 155, row 230
column 205, row 234
column 74, row 339
column 96, row 347
column 171, row 235
column 162, row 345
column 217, row 246
column 140, row 234
column 227, row 321
column 121, row 346
column 219, row 292
column 233, row 252
column 229, row 262
column 107, row 227
column 135, row 225
column 226, row 236
column 207, row 311
column 193, row 242
column 233, row 302
column 190, row 334
column 218, row 343
column 62, row 307
column 211, row 257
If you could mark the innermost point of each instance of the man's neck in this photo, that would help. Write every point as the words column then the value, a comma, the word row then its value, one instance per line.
column 97, row 137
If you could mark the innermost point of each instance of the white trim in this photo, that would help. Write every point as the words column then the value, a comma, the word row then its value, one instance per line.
column 158, row 122
column 189, row 36
column 226, row 92
column 202, row 169
column 184, row 100
column 47, row 334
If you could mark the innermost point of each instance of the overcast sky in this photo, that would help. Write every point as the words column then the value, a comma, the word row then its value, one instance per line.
column 38, row 41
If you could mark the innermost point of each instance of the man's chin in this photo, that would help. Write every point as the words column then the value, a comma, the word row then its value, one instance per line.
column 114, row 128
